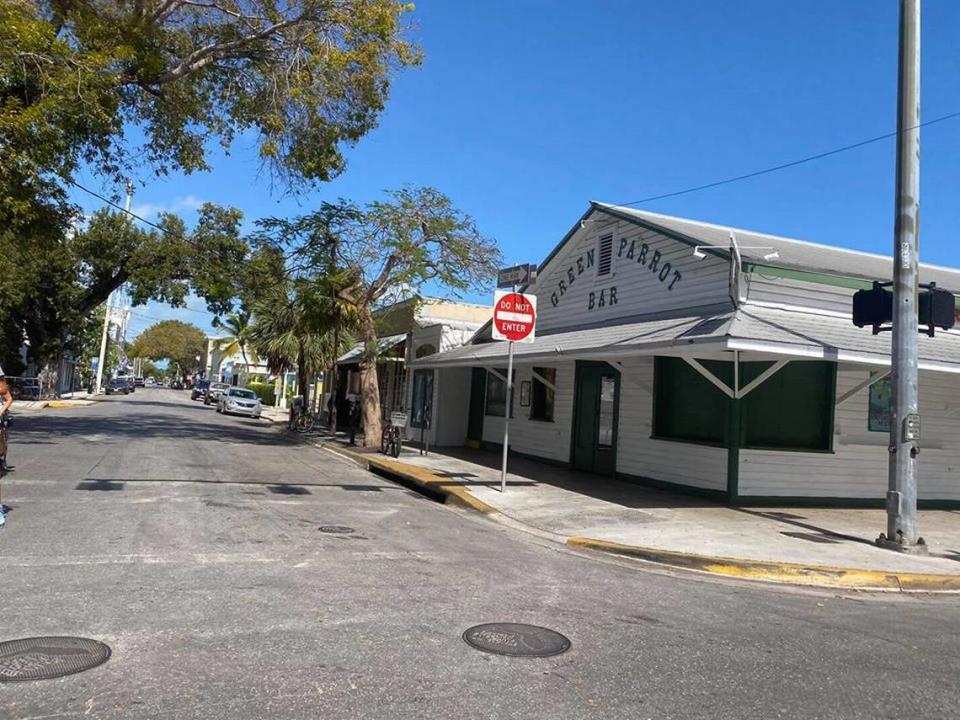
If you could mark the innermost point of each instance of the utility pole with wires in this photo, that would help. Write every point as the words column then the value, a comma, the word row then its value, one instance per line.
column 902, row 527
column 107, row 314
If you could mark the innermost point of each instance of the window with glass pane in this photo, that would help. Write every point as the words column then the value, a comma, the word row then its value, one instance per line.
column 608, row 398
column 496, row 395
column 422, row 398
column 541, row 402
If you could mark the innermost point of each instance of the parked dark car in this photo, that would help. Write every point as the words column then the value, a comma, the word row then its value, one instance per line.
column 119, row 386
column 199, row 389
column 177, row 385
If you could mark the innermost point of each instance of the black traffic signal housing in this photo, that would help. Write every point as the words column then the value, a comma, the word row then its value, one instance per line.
column 874, row 307
column 936, row 309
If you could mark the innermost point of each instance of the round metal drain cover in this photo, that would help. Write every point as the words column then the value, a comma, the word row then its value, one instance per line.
column 516, row 640
column 43, row 658
column 336, row 529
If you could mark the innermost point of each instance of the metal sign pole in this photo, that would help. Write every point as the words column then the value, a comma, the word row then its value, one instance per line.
column 506, row 416
column 902, row 531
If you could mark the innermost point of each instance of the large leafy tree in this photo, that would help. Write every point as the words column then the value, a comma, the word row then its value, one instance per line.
column 79, row 78
column 122, row 89
column 412, row 239
column 58, row 285
column 177, row 342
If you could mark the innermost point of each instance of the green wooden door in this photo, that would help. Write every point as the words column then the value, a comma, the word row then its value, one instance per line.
column 478, row 396
column 596, row 406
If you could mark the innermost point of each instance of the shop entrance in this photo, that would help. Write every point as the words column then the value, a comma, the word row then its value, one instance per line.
column 478, row 390
column 595, row 410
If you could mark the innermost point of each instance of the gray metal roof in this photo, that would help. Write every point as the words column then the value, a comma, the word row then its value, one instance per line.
column 607, row 341
column 797, row 331
column 761, row 329
column 793, row 254
column 383, row 344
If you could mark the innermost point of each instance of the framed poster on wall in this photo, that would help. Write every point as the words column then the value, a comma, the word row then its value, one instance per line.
column 525, row 393
column 881, row 407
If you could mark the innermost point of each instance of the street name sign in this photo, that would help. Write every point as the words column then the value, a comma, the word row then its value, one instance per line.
column 514, row 316
column 517, row 275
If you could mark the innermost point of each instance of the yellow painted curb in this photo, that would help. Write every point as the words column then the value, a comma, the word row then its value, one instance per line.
column 453, row 493
column 61, row 404
column 793, row 573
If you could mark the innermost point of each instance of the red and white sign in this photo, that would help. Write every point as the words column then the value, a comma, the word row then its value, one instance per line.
column 514, row 316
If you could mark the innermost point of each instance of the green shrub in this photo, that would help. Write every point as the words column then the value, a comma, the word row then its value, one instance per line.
column 264, row 391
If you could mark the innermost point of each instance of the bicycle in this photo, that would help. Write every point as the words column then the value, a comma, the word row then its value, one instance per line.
column 391, row 439
column 302, row 421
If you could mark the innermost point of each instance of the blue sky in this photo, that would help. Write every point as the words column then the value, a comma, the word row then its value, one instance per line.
column 523, row 111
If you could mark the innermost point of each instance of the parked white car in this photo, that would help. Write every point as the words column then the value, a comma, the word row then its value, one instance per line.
column 239, row 401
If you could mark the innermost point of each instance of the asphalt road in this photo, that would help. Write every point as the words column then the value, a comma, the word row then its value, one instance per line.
column 189, row 543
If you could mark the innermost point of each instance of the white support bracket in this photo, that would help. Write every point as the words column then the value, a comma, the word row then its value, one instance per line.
column 494, row 371
column 761, row 378
column 736, row 393
column 694, row 363
column 875, row 377
column 543, row 380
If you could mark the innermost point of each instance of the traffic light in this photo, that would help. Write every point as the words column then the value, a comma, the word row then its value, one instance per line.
column 936, row 309
column 874, row 307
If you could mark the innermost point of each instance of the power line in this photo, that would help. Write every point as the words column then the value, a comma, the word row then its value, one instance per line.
column 112, row 204
column 791, row 164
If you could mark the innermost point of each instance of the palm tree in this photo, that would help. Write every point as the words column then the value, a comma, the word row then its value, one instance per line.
column 238, row 338
column 292, row 330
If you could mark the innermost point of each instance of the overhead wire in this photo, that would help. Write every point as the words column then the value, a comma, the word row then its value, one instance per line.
column 792, row 163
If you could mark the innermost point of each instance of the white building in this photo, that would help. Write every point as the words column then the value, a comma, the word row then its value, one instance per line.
column 219, row 366
column 665, row 356
column 410, row 329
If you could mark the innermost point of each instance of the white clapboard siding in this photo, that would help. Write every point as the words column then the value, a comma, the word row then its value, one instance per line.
column 544, row 439
column 700, row 466
column 858, row 466
column 639, row 291
column 786, row 291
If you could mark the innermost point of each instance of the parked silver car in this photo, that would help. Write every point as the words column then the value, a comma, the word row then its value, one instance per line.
column 239, row 401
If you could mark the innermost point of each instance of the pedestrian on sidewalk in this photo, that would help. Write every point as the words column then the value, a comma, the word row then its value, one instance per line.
column 6, row 396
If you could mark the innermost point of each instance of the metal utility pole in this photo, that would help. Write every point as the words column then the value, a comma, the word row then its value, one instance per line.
column 902, row 532
column 106, row 315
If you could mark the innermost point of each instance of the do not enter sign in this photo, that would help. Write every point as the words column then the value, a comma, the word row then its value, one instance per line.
column 514, row 316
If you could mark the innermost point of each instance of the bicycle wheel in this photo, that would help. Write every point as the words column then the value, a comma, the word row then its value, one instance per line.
column 395, row 443
column 385, row 441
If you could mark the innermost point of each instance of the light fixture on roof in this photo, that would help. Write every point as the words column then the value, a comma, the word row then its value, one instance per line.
column 772, row 255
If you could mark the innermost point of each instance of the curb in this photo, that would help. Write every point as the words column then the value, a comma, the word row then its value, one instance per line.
column 424, row 479
column 777, row 572
column 758, row 570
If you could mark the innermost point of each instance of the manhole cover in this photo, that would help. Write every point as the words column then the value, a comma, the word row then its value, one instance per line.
column 516, row 639
column 336, row 529
column 43, row 658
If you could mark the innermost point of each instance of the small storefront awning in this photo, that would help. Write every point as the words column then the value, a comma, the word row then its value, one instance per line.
column 750, row 328
column 354, row 354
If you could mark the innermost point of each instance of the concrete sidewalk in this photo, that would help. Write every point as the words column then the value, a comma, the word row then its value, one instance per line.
column 810, row 546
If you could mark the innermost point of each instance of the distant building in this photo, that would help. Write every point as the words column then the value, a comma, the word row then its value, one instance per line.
column 230, row 368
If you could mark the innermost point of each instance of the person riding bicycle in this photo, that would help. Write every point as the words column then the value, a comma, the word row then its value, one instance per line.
column 7, row 397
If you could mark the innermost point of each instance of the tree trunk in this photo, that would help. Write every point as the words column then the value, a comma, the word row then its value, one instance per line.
column 303, row 388
column 369, row 385
column 331, row 384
